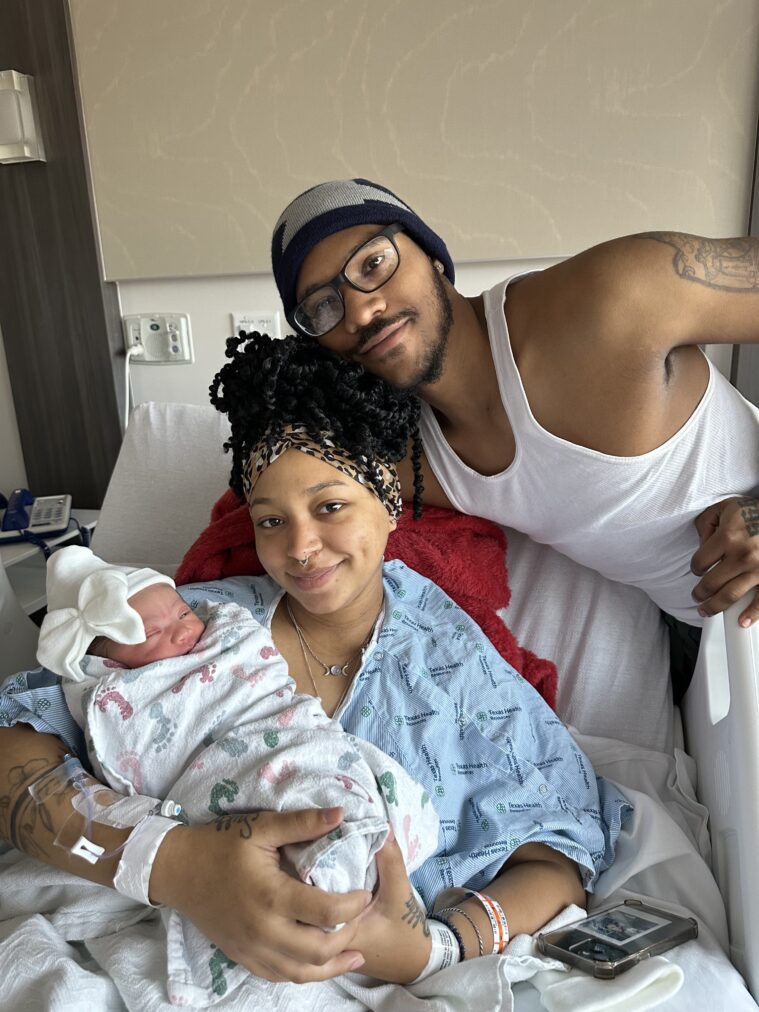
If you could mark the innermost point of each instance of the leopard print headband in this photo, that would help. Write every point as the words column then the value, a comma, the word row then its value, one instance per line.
column 379, row 477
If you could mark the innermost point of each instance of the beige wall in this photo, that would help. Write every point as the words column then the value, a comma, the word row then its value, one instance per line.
column 519, row 128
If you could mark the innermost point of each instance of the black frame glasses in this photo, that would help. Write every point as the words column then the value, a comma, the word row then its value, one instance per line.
column 300, row 317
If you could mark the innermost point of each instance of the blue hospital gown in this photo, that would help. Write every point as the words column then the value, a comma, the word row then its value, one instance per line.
column 435, row 695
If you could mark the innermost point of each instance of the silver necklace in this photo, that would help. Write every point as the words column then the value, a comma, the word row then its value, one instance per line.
column 307, row 663
column 330, row 670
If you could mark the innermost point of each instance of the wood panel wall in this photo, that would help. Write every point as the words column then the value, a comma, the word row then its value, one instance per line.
column 60, row 321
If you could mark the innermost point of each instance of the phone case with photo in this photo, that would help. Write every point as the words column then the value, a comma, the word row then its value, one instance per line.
column 613, row 940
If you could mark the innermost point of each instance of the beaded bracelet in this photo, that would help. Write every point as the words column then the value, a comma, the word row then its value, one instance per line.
column 458, row 910
column 497, row 918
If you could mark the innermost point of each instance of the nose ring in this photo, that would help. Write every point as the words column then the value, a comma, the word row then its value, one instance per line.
column 304, row 561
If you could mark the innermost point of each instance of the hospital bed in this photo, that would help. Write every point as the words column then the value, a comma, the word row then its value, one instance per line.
column 608, row 642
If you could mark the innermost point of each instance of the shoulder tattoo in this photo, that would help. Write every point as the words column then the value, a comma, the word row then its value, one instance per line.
column 731, row 264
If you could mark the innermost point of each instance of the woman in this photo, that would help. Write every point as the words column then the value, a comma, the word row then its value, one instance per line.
column 524, row 820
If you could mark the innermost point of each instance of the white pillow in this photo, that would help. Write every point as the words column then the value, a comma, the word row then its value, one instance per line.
column 608, row 641
column 169, row 473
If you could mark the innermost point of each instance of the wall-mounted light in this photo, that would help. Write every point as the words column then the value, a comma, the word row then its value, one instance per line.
column 20, row 138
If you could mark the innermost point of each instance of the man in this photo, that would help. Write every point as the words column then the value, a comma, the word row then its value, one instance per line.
column 573, row 404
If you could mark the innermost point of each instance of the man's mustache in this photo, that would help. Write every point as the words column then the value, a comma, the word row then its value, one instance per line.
column 376, row 326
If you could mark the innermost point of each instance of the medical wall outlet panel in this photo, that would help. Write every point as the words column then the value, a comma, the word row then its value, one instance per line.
column 165, row 338
column 264, row 322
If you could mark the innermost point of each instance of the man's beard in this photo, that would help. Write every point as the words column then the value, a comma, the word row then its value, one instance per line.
column 431, row 368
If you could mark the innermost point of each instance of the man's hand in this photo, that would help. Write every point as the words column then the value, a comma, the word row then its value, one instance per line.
column 393, row 935
column 226, row 877
column 728, row 559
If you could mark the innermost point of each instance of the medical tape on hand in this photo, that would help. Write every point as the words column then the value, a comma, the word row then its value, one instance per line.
column 93, row 802
column 445, row 950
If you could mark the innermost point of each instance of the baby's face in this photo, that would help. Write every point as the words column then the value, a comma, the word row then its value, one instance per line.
column 171, row 628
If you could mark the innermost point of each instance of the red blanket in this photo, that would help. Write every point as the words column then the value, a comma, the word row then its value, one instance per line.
column 464, row 555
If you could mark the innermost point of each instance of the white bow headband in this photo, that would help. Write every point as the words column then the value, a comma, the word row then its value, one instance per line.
column 86, row 598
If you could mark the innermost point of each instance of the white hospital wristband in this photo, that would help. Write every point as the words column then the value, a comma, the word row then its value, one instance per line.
column 445, row 949
column 132, row 876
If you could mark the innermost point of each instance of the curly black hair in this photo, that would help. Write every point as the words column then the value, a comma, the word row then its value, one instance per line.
column 269, row 384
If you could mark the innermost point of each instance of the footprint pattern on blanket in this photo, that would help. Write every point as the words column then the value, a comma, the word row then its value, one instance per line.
column 354, row 786
column 128, row 763
column 219, row 962
column 347, row 759
column 270, row 775
column 387, row 785
column 176, row 689
column 412, row 843
column 166, row 727
column 234, row 747
column 102, row 699
column 251, row 677
column 226, row 790
column 210, row 738
column 206, row 672
column 286, row 717
column 229, row 641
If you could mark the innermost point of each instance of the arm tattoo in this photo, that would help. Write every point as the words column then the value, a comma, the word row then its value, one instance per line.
column 415, row 915
column 750, row 514
column 245, row 823
column 21, row 816
column 730, row 264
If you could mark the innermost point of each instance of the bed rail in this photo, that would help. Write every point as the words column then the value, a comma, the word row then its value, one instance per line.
column 721, row 712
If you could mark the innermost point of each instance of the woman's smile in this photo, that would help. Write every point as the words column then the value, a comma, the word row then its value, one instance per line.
column 316, row 580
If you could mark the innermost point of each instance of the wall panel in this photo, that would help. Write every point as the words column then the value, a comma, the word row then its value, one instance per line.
column 519, row 128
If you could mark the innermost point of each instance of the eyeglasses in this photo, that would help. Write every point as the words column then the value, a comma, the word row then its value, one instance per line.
column 366, row 269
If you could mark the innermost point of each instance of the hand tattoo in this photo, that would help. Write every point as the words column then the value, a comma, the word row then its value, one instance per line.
column 245, row 822
column 750, row 514
column 731, row 264
column 415, row 915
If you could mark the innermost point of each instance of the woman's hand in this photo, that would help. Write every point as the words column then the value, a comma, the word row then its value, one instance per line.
column 728, row 559
column 392, row 934
column 227, row 878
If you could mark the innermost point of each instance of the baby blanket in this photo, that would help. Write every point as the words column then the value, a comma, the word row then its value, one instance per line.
column 222, row 730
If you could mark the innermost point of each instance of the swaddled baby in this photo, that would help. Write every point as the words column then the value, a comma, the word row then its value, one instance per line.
column 198, row 706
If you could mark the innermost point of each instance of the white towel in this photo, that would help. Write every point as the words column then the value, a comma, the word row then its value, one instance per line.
column 645, row 986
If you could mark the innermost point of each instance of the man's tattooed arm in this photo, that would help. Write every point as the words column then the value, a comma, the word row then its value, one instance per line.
column 729, row 264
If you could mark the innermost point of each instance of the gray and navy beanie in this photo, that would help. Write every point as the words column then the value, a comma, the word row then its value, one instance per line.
column 331, row 207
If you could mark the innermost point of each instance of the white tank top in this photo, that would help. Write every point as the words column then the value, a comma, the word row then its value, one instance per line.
column 629, row 518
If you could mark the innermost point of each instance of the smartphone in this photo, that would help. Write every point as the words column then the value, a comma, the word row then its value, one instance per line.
column 614, row 940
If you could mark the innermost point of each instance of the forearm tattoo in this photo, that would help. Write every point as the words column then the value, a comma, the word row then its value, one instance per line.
column 731, row 264
column 242, row 822
column 21, row 817
column 750, row 513
column 415, row 915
